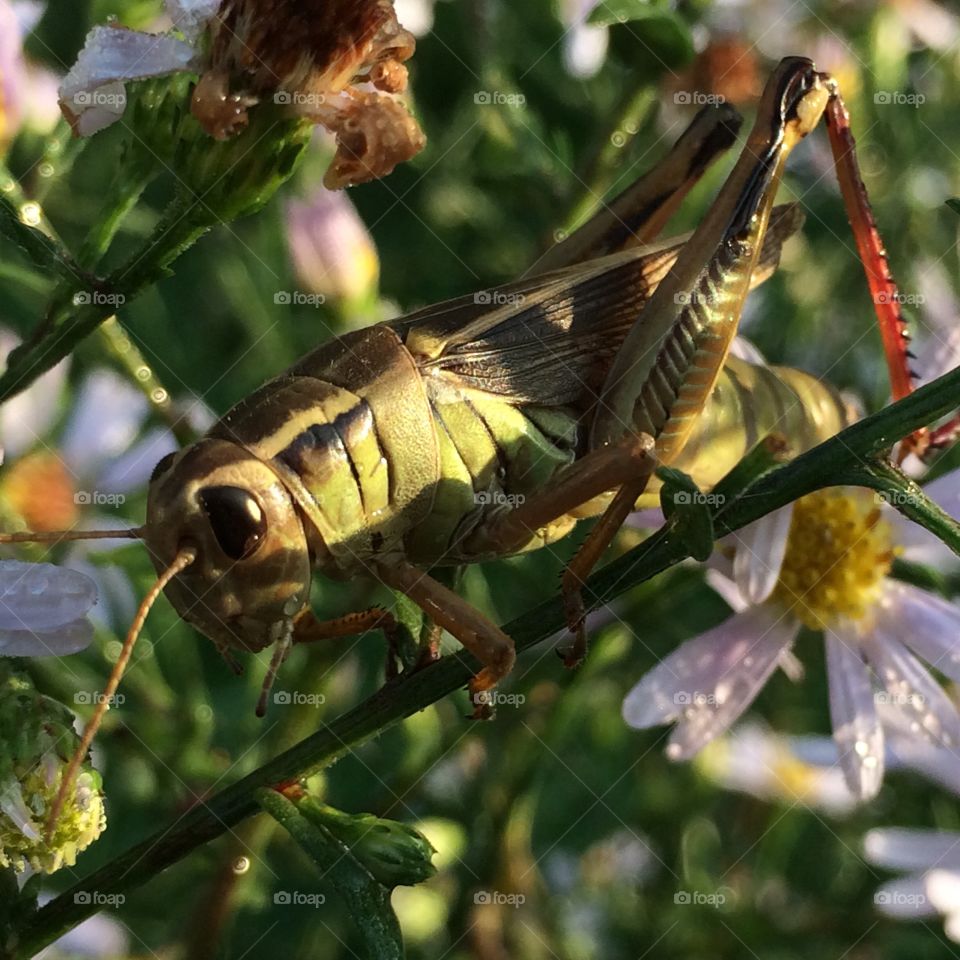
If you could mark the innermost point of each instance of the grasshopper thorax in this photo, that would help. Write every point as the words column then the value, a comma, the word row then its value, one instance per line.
column 251, row 574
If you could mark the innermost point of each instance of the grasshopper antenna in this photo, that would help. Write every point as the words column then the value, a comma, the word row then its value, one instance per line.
column 280, row 652
column 181, row 561
column 128, row 533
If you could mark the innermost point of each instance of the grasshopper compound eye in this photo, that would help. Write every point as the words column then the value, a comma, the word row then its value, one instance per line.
column 236, row 518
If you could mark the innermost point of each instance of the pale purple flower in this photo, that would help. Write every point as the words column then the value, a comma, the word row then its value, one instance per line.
column 332, row 251
column 879, row 637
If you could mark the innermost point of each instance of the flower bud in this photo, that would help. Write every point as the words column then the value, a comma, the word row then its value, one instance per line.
column 393, row 853
column 332, row 251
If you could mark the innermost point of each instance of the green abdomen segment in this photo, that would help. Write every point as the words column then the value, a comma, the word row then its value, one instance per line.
column 493, row 455
column 748, row 403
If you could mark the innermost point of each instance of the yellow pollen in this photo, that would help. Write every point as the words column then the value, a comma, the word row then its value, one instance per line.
column 838, row 551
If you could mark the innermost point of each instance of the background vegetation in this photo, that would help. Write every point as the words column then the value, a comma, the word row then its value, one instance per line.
column 557, row 801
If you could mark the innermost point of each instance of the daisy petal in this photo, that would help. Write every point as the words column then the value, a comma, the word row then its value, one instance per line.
column 744, row 349
column 709, row 681
column 190, row 16
column 943, row 889
column 906, row 848
column 911, row 688
column 42, row 597
column 906, row 751
column 761, row 547
column 727, row 589
column 853, row 714
column 904, row 899
column 928, row 623
column 109, row 56
column 59, row 642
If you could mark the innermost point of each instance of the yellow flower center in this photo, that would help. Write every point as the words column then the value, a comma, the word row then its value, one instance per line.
column 838, row 551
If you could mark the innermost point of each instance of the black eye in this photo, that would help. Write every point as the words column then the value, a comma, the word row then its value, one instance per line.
column 236, row 519
column 162, row 467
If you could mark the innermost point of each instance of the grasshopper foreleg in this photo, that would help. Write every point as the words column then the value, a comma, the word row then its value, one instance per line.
column 481, row 636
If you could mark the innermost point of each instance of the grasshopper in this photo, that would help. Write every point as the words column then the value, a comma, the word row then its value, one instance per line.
column 486, row 427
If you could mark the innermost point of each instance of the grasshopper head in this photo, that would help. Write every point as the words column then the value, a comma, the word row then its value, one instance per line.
column 252, row 569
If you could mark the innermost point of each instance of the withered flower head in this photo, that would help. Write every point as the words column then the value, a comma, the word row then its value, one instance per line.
column 339, row 63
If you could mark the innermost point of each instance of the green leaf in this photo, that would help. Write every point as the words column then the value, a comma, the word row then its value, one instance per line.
column 688, row 509
column 954, row 204
column 45, row 254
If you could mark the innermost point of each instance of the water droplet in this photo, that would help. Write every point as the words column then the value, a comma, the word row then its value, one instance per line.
column 30, row 213
column 241, row 865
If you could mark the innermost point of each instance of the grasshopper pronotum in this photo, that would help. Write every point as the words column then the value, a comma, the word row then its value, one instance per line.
column 465, row 432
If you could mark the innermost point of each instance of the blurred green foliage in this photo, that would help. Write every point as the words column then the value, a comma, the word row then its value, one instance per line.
column 538, row 803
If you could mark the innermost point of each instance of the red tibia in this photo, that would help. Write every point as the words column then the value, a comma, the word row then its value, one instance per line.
column 873, row 255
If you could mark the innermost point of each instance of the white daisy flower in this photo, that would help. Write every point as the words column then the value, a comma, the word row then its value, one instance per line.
column 822, row 563
column 930, row 860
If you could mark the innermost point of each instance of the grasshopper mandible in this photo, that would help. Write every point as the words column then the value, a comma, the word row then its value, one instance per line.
column 462, row 432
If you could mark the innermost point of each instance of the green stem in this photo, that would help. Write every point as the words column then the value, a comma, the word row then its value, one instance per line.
column 846, row 458
column 179, row 228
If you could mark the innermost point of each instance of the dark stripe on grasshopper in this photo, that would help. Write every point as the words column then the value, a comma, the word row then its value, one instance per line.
column 307, row 454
